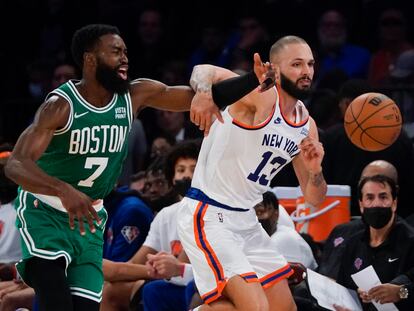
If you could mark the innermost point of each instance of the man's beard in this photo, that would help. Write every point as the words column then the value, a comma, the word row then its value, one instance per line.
column 292, row 89
column 110, row 80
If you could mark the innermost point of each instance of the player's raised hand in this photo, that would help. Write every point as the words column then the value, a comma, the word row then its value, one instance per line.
column 312, row 154
column 267, row 73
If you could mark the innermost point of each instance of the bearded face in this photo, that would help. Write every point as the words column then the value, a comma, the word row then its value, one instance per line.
column 294, row 88
column 111, row 79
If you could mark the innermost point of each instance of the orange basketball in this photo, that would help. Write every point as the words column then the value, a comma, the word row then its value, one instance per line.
column 372, row 121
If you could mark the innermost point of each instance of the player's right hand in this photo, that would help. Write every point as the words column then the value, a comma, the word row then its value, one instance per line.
column 204, row 111
column 79, row 207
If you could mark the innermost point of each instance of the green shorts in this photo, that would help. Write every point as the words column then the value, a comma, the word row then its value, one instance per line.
column 46, row 234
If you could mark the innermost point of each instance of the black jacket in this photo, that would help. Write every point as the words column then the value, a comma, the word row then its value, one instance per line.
column 393, row 258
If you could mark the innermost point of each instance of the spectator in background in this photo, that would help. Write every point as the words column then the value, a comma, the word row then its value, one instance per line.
column 157, row 191
column 149, row 43
column 340, row 150
column 392, row 32
column 334, row 50
column 13, row 293
column 137, row 152
column 287, row 240
column 402, row 81
column 137, row 181
column 177, row 125
column 62, row 73
column 334, row 246
column 10, row 250
column 323, row 107
column 129, row 220
column 253, row 38
column 173, row 126
column 39, row 74
column 52, row 35
column 214, row 47
column 180, row 164
column 160, row 146
column 379, row 244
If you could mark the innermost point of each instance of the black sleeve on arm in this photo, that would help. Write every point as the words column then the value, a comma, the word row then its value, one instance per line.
column 228, row 91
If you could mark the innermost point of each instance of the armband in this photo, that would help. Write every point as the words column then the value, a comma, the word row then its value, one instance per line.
column 228, row 91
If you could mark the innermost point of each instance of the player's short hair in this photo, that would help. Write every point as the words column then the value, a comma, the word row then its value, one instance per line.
column 86, row 39
column 282, row 42
column 270, row 200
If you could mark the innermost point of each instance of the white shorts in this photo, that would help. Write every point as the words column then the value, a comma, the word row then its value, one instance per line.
column 221, row 243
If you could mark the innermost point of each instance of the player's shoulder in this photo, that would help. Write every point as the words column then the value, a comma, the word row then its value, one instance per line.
column 55, row 108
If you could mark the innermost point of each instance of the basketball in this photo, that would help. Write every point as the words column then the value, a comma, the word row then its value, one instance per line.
column 372, row 121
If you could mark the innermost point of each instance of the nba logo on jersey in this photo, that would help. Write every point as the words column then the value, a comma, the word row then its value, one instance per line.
column 277, row 120
column 220, row 217
column 130, row 233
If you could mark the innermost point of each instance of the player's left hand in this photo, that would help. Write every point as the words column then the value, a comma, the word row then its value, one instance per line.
column 312, row 153
column 203, row 111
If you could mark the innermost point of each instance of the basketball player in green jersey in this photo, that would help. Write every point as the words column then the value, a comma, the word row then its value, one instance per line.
column 70, row 157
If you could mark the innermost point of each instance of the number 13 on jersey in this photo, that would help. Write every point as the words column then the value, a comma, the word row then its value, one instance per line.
column 276, row 162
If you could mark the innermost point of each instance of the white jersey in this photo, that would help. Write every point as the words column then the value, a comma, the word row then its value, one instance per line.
column 10, row 249
column 163, row 235
column 237, row 162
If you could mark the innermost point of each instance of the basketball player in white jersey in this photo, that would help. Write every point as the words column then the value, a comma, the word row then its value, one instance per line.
column 235, row 265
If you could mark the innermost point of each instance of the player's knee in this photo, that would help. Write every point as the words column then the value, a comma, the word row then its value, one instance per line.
column 110, row 294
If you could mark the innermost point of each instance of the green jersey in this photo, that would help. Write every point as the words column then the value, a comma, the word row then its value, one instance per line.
column 88, row 152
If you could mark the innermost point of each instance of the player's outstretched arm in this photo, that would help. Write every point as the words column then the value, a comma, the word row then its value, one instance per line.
column 23, row 170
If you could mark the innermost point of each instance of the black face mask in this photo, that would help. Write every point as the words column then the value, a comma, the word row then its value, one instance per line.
column 181, row 186
column 268, row 225
column 377, row 217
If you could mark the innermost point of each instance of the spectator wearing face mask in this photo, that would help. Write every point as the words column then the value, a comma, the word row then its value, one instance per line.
column 278, row 225
column 385, row 242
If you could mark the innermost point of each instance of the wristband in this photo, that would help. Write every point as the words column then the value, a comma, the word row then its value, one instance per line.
column 185, row 277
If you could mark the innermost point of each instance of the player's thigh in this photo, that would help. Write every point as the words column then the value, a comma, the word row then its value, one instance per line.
column 280, row 297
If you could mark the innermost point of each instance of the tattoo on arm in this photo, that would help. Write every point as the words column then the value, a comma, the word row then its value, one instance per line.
column 202, row 79
column 316, row 179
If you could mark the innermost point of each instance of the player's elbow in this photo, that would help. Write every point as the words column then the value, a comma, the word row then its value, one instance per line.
column 11, row 168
